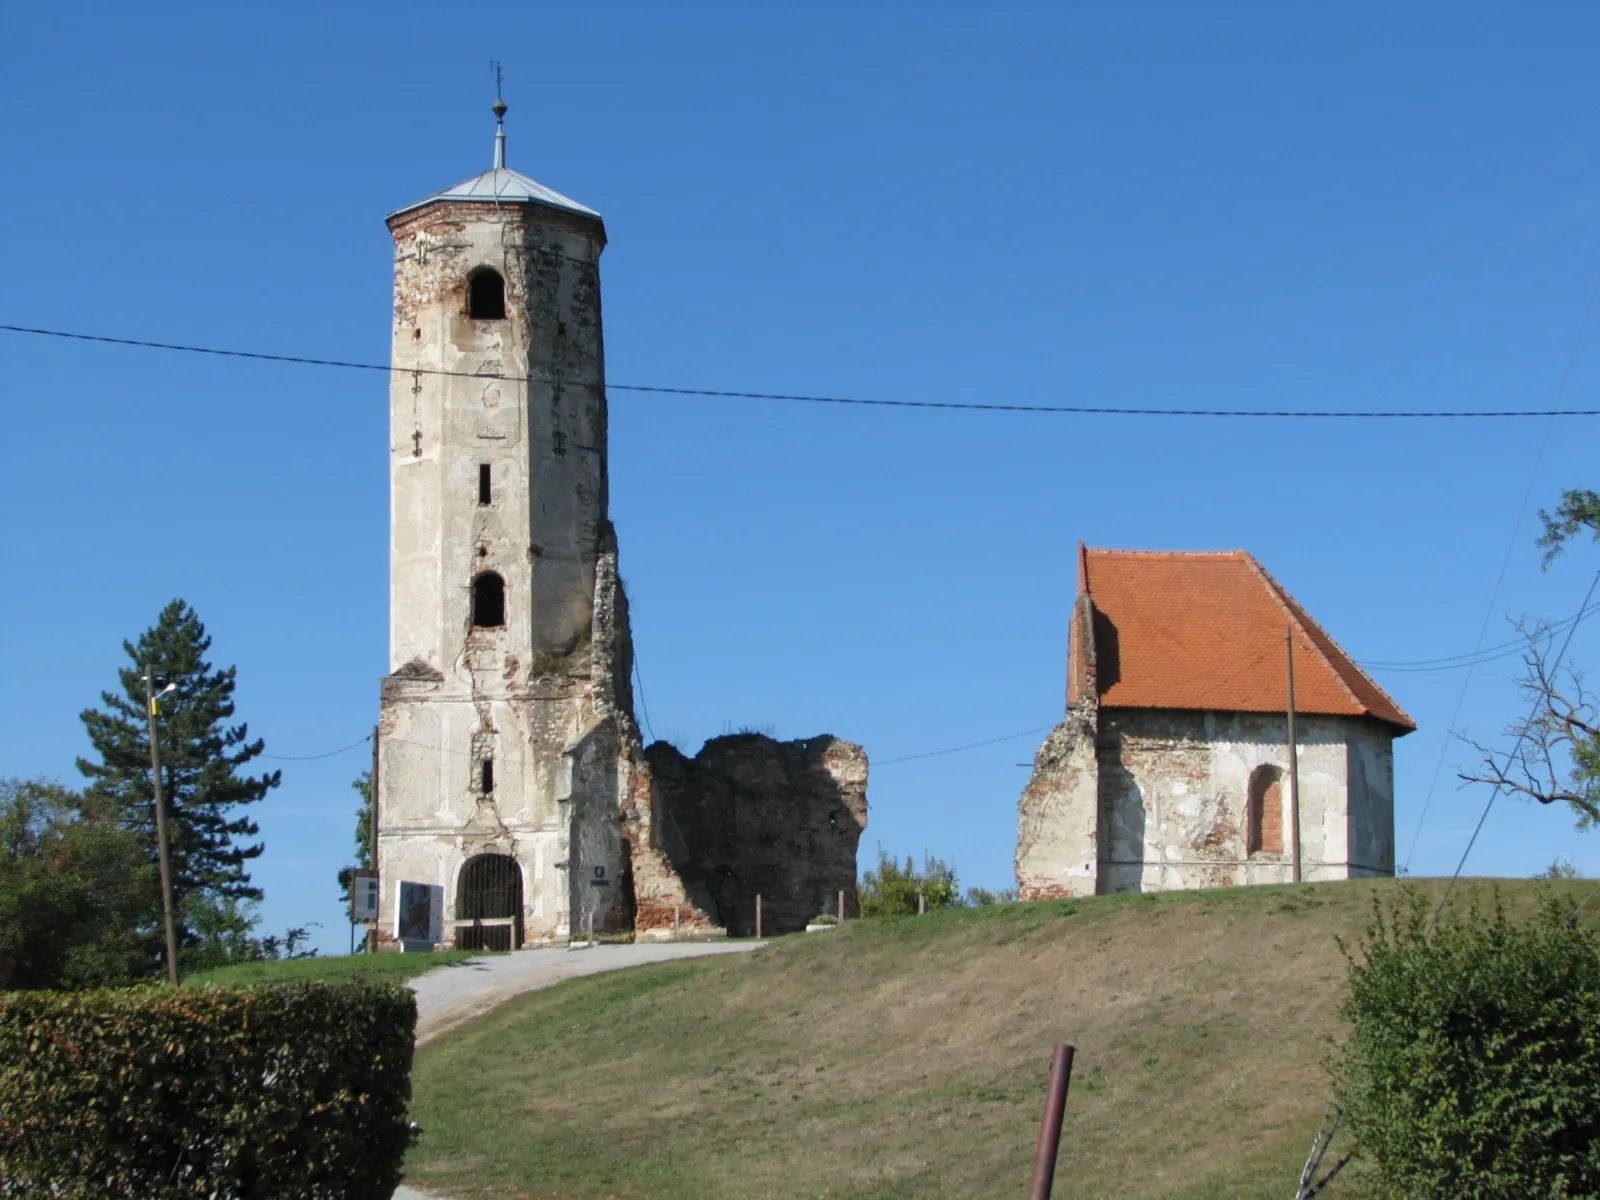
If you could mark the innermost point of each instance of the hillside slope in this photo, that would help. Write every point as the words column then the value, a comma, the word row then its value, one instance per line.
column 906, row 1057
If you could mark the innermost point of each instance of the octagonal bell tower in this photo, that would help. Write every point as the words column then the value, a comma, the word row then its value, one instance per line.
column 508, row 639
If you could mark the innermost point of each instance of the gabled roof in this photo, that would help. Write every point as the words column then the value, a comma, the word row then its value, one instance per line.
column 1187, row 630
column 504, row 186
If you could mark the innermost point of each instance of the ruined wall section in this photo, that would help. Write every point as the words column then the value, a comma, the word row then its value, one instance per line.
column 1058, row 821
column 750, row 815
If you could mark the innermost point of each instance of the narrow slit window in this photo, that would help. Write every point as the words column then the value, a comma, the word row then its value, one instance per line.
column 487, row 778
column 486, row 295
column 483, row 483
column 488, row 600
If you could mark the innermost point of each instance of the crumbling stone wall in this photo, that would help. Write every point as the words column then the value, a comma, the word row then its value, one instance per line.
column 749, row 815
column 1058, row 821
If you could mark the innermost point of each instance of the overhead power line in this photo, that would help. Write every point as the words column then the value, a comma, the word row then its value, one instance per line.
column 951, row 405
column 1457, row 662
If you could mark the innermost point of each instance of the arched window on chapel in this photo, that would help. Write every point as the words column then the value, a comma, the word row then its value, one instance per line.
column 1264, row 818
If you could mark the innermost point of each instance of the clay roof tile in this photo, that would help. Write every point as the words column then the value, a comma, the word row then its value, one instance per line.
column 1205, row 630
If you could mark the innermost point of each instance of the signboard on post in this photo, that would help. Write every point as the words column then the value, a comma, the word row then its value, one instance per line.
column 419, row 915
column 364, row 896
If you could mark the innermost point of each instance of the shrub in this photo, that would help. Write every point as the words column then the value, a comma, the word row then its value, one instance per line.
column 296, row 1093
column 1474, row 1052
column 892, row 890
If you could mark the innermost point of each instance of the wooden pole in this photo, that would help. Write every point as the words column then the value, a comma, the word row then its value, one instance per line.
column 1294, row 756
column 677, row 912
column 372, row 823
column 840, row 913
column 591, row 926
column 161, row 831
column 758, row 914
column 922, row 904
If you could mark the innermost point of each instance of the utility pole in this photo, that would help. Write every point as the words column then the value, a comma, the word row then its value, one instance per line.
column 372, row 834
column 161, row 828
column 1294, row 756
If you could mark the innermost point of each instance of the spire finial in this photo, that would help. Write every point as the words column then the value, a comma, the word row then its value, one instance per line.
column 499, row 120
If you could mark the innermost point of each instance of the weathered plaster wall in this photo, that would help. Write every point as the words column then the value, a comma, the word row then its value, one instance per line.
column 749, row 815
column 1171, row 794
column 1371, row 773
column 1058, row 817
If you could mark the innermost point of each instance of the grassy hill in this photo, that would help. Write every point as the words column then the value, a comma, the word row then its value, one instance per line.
column 380, row 968
column 906, row 1057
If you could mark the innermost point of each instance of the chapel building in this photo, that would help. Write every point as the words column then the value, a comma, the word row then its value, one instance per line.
column 1171, row 768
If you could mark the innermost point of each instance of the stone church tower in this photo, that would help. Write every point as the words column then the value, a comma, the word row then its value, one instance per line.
column 508, row 645
column 510, row 771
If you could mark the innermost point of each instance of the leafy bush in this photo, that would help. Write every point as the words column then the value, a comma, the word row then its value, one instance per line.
column 296, row 1093
column 76, row 893
column 1474, row 1052
column 892, row 890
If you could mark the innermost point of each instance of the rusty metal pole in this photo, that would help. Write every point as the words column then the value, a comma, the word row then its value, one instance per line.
column 161, row 831
column 758, row 914
column 840, row 913
column 1055, row 1104
column 677, row 912
column 1294, row 756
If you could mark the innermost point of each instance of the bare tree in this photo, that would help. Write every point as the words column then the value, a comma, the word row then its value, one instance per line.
column 1555, row 753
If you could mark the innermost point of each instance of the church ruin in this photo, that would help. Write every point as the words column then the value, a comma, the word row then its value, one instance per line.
column 510, row 771
column 1172, row 766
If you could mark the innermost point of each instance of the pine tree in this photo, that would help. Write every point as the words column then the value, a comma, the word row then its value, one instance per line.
column 200, row 759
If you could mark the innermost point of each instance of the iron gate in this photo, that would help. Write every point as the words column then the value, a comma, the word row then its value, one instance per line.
column 489, row 904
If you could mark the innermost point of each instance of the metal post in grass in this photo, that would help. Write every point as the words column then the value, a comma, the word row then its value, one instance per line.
column 758, row 914
column 677, row 911
column 1055, row 1105
column 841, row 906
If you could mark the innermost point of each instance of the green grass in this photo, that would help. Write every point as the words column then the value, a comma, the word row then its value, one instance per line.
column 906, row 1057
column 387, row 968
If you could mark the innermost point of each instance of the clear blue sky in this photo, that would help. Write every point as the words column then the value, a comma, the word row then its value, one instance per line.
column 1240, row 206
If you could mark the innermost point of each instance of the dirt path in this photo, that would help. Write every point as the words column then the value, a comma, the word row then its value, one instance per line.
column 452, row 995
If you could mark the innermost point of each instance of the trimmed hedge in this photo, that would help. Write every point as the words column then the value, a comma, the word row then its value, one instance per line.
column 294, row 1093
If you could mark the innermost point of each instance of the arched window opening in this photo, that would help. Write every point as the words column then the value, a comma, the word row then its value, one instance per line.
column 488, row 601
column 489, row 904
column 1264, row 821
column 486, row 295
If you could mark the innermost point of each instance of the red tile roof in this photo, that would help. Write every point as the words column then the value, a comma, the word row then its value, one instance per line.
column 1167, row 629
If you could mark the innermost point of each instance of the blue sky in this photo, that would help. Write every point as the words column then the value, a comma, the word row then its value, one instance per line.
column 1238, row 206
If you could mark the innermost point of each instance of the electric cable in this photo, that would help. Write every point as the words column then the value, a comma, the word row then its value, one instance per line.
column 313, row 757
column 950, row 405
column 1505, row 563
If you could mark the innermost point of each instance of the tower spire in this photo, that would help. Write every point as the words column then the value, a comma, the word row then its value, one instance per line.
column 499, row 122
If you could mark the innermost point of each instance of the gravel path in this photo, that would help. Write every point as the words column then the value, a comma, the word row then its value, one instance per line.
column 452, row 995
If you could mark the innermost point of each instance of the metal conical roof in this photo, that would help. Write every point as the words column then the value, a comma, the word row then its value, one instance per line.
column 504, row 186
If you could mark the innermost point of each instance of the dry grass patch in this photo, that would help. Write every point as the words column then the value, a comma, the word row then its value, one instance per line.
column 906, row 1057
